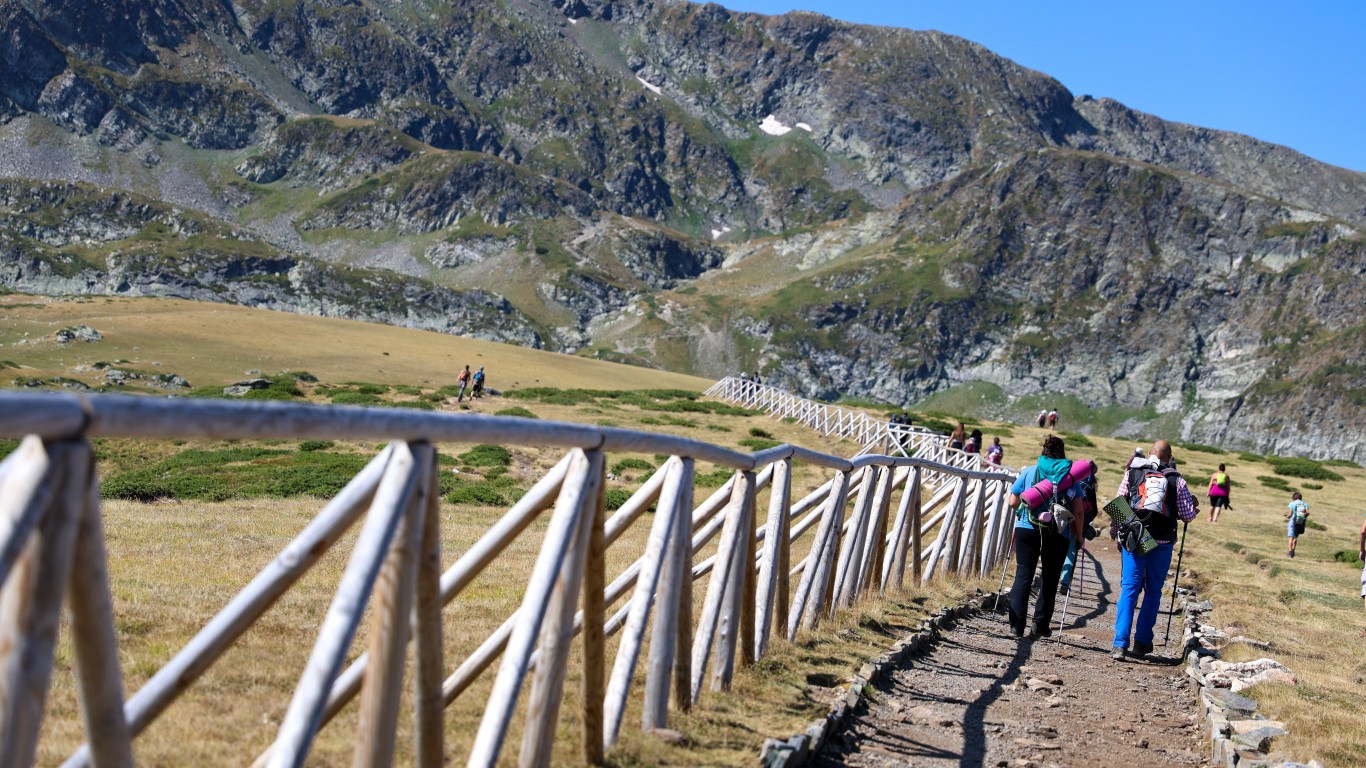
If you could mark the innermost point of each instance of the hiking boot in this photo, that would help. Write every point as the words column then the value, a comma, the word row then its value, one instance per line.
column 1142, row 649
column 1292, row 554
column 1117, row 654
column 1017, row 630
column 1039, row 631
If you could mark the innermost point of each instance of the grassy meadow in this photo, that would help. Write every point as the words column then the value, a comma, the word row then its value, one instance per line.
column 190, row 522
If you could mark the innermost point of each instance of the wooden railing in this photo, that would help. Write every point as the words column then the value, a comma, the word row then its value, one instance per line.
column 872, row 435
column 873, row 519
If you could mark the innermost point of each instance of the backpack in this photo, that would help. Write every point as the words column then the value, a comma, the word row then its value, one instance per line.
column 464, row 376
column 1152, row 489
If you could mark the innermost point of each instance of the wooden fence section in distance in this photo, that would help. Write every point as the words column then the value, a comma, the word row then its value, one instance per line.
column 876, row 518
column 873, row 435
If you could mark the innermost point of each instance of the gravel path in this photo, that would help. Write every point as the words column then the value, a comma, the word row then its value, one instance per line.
column 980, row 697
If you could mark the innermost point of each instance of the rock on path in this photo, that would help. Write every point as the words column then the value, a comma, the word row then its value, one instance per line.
column 980, row 697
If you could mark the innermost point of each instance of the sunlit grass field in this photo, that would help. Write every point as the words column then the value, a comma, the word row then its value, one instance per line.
column 175, row 561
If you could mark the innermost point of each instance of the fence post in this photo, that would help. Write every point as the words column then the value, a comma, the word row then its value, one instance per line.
column 773, row 569
column 594, row 618
column 810, row 598
column 428, row 652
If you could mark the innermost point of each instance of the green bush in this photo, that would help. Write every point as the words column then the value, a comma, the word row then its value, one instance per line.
column 407, row 389
column 631, row 463
column 1077, row 440
column 308, row 446
column 487, row 456
column 719, row 428
column 759, row 443
column 1312, row 486
column 372, row 389
column 1306, row 468
column 713, row 479
column 517, row 411
column 1278, row 483
column 1315, row 525
column 759, row 432
column 7, row 447
column 1200, row 448
column 674, row 421
column 650, row 421
column 1341, row 463
column 495, row 492
column 237, row 473
column 432, row 397
column 1245, row 456
column 349, row 397
column 616, row 497
column 1348, row 556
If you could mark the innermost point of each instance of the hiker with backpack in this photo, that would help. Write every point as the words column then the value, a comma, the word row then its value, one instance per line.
column 1159, row 497
column 995, row 453
column 1361, row 555
column 1043, row 418
column 1044, row 535
column 1086, row 490
column 1297, row 517
column 958, row 437
column 478, row 390
column 462, row 381
column 1219, row 486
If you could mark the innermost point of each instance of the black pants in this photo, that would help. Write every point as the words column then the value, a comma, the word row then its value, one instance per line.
column 1032, row 547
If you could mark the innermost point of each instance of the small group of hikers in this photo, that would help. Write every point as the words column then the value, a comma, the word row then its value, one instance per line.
column 971, row 442
column 1049, row 417
column 472, row 381
column 754, row 378
column 1056, row 503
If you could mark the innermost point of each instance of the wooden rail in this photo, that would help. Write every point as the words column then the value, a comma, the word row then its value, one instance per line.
column 872, row 435
column 869, row 523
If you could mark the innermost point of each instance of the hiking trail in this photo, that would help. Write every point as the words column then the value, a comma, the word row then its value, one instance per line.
column 981, row 697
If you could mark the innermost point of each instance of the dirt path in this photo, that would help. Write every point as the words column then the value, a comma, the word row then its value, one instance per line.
column 981, row 697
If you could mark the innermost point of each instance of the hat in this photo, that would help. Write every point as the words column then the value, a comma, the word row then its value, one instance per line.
column 1138, row 452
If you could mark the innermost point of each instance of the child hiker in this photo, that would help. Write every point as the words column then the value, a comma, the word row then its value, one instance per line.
column 1296, row 517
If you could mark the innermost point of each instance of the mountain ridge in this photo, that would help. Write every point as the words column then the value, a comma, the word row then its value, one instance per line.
column 596, row 174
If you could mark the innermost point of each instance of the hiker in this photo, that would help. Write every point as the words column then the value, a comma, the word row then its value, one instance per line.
column 974, row 444
column 1043, row 418
column 958, row 437
column 1039, row 543
column 1297, row 517
column 478, row 390
column 1159, row 497
column 757, row 381
column 996, row 453
column 1361, row 555
column 462, row 381
column 1219, row 486
column 1053, row 419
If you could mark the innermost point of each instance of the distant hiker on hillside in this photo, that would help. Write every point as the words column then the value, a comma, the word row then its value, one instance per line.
column 462, row 381
column 1297, row 517
column 1053, row 419
column 1361, row 555
column 995, row 453
column 1043, row 418
column 1159, row 497
column 478, row 390
column 1040, row 543
column 958, row 436
column 1219, row 486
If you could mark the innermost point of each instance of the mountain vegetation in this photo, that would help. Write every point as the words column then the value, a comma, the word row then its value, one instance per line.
column 848, row 210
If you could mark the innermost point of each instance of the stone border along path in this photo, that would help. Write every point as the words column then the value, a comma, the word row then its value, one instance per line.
column 977, row 696
column 962, row 692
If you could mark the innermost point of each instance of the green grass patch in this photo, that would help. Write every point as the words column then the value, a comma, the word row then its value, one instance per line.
column 308, row 446
column 631, row 463
column 237, row 473
column 1306, row 468
column 1349, row 556
column 497, row 491
column 713, row 479
column 1315, row 525
column 1245, row 456
column 759, row 443
column 487, row 456
column 352, row 397
column 759, row 432
column 1198, row 448
column 516, row 410
column 1325, row 599
column 1076, row 439
column 1312, row 486
column 1275, row 483
column 719, row 428
column 1340, row 463
column 616, row 497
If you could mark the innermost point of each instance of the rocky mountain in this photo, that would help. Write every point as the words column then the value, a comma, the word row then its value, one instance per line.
column 852, row 210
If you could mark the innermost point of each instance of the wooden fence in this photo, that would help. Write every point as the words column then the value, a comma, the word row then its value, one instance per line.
column 878, row 523
column 873, row 435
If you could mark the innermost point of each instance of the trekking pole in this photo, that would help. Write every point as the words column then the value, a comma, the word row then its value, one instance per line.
column 1080, row 563
column 1172, row 607
column 1002, row 585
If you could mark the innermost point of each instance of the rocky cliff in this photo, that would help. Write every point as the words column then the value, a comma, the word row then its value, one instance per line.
column 853, row 210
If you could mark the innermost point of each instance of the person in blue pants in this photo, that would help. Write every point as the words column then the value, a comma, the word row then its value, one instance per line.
column 1160, row 498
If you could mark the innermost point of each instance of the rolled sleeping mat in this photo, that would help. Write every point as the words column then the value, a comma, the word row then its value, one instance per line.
column 1038, row 494
column 1081, row 469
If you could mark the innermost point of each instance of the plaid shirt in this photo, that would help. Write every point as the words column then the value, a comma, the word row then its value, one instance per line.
column 1185, row 502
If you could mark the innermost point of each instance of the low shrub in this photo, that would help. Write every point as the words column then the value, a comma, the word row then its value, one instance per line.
column 487, row 456
column 630, row 463
column 719, row 428
column 1306, row 468
column 487, row 492
column 759, row 432
column 237, row 473
column 1340, row 463
column 1315, row 525
column 1349, row 556
column 407, row 389
column 351, row 397
column 759, row 443
column 309, row 446
column 7, row 447
column 713, row 479
column 1077, row 440
column 516, row 410
column 1200, row 448
column 1245, row 456
column 1278, row 483
column 650, row 421
column 616, row 497
column 372, row 389
column 1312, row 486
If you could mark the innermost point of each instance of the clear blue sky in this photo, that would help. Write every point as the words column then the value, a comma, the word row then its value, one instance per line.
column 1288, row 73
